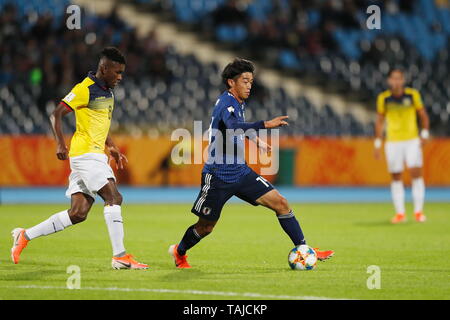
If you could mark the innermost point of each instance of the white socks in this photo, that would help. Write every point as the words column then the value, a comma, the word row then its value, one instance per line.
column 113, row 218
column 55, row 223
column 398, row 196
column 61, row 220
column 418, row 193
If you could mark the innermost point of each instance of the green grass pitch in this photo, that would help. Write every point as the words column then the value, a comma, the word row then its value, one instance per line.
column 244, row 258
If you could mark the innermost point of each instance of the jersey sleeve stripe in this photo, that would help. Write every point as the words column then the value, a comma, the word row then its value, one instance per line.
column 66, row 105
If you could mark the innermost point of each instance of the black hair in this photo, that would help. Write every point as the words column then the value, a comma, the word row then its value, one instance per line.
column 395, row 69
column 113, row 54
column 235, row 69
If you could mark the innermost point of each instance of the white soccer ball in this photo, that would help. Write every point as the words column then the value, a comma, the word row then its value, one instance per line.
column 302, row 257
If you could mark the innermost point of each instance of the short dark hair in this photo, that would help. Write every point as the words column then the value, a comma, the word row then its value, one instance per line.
column 236, row 68
column 396, row 69
column 113, row 54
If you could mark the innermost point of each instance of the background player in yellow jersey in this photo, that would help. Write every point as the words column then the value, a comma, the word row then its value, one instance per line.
column 399, row 107
column 92, row 101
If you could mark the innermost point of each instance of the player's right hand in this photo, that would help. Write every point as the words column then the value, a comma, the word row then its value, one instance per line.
column 276, row 122
column 62, row 153
column 377, row 144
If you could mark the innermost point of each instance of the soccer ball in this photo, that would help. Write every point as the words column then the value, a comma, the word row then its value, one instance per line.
column 302, row 257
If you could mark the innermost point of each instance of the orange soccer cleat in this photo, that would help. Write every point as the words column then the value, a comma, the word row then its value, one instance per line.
column 19, row 243
column 420, row 217
column 323, row 255
column 180, row 261
column 127, row 262
column 398, row 218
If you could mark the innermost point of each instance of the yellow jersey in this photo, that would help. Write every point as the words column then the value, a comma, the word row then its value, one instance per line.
column 400, row 113
column 93, row 104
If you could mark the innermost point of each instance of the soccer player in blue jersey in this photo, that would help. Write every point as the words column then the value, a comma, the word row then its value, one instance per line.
column 226, row 174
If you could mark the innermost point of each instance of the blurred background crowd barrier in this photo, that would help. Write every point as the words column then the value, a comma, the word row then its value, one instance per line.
column 30, row 161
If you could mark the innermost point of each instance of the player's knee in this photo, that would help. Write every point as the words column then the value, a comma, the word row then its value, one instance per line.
column 282, row 205
column 204, row 230
column 416, row 173
column 118, row 199
column 114, row 199
column 78, row 214
column 209, row 229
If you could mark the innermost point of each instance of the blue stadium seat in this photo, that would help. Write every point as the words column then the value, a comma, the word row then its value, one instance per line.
column 289, row 60
column 231, row 33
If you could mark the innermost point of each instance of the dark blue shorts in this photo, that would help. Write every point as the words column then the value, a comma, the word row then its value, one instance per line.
column 215, row 193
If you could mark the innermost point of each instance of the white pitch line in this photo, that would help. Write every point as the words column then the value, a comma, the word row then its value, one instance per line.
column 195, row 292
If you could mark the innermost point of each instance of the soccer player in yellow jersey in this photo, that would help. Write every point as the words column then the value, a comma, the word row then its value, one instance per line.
column 92, row 101
column 398, row 107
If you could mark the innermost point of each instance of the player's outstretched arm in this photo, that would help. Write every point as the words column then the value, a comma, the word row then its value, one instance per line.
column 114, row 153
column 231, row 122
column 276, row 122
column 62, row 152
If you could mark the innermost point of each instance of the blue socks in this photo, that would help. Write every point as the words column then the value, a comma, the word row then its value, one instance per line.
column 292, row 228
column 288, row 222
column 190, row 239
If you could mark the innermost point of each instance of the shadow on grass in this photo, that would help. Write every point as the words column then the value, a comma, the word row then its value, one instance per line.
column 205, row 273
column 29, row 275
column 181, row 275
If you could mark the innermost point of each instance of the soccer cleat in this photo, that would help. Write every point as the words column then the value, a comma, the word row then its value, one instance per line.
column 323, row 255
column 180, row 261
column 19, row 243
column 398, row 218
column 127, row 262
column 420, row 217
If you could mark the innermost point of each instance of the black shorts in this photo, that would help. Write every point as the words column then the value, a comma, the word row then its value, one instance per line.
column 215, row 193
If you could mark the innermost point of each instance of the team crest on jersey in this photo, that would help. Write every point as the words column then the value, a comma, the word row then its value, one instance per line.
column 230, row 109
column 406, row 101
column 206, row 211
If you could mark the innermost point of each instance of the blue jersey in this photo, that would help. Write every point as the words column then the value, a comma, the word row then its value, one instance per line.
column 226, row 151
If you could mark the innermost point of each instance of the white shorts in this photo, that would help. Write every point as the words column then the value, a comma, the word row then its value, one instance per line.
column 400, row 152
column 90, row 172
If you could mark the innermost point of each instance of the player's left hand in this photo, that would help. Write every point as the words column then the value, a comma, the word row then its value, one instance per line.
column 424, row 141
column 120, row 158
column 424, row 136
column 264, row 146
